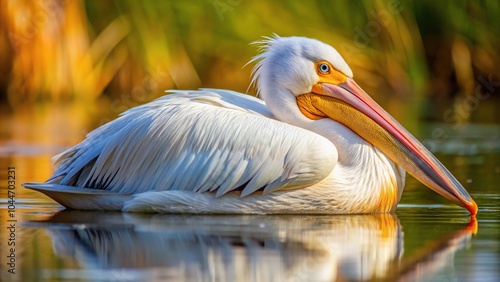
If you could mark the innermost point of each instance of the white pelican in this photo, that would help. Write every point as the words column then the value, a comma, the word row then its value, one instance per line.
column 316, row 143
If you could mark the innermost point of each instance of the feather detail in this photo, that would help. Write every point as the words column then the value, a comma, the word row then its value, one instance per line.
column 200, row 141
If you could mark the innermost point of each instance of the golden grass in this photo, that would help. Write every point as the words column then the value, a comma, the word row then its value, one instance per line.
column 130, row 51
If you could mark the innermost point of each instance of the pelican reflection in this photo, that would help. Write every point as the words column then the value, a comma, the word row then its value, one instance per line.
column 236, row 248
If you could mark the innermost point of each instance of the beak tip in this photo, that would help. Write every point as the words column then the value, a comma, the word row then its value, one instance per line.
column 472, row 208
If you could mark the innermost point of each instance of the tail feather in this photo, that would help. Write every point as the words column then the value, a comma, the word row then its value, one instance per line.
column 81, row 198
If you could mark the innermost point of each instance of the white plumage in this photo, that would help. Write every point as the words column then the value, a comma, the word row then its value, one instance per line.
column 218, row 151
column 205, row 142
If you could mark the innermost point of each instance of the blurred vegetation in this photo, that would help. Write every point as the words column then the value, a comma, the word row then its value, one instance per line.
column 436, row 57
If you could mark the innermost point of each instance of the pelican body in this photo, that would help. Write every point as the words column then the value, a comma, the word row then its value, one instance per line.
column 315, row 144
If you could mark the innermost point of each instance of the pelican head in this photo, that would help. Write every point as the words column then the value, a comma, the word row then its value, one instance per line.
column 311, row 77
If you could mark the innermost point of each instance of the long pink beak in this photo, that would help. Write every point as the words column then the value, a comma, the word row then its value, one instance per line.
column 414, row 157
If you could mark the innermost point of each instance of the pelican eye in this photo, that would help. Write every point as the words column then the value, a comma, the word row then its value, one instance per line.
column 324, row 68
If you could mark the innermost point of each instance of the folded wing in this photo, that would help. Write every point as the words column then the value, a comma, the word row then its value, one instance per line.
column 202, row 141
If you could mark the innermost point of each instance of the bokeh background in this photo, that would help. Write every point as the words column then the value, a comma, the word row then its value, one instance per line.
column 429, row 54
column 68, row 66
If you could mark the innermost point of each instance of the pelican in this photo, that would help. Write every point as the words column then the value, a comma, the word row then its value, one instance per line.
column 315, row 144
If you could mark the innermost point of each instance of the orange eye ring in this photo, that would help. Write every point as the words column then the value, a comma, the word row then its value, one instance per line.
column 327, row 73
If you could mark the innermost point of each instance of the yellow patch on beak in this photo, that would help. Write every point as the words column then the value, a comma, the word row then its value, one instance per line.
column 307, row 107
column 327, row 74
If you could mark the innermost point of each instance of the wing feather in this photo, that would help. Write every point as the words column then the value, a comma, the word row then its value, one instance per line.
column 202, row 141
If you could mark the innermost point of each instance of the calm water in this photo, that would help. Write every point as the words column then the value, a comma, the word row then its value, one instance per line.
column 428, row 239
